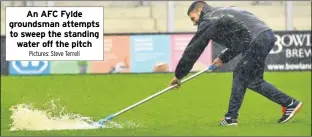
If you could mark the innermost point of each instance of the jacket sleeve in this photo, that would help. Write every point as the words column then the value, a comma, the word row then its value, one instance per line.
column 227, row 55
column 192, row 52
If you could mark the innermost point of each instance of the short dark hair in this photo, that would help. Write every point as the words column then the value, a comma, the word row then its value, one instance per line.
column 196, row 5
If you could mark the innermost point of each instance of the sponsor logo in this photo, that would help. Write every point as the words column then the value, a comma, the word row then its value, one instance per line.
column 29, row 67
column 295, row 45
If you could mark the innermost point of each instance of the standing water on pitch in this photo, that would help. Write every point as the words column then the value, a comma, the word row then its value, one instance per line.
column 26, row 117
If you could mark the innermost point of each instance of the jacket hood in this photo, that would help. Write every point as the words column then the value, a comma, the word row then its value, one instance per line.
column 207, row 8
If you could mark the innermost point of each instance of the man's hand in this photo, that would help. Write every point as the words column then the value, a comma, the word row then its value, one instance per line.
column 218, row 62
column 175, row 81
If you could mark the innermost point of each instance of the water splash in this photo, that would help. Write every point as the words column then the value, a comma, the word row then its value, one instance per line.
column 54, row 117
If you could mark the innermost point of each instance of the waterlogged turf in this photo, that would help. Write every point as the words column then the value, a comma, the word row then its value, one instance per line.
column 195, row 109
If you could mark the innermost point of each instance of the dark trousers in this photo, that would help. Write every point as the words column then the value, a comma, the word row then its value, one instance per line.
column 249, row 74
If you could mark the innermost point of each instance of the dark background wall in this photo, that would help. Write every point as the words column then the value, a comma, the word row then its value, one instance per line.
column 292, row 52
column 4, row 64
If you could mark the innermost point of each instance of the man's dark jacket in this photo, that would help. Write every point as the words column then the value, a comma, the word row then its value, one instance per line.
column 230, row 27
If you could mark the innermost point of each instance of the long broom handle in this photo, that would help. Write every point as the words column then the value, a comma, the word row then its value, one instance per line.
column 156, row 94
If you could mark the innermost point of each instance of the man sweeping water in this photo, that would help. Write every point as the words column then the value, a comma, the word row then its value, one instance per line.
column 241, row 33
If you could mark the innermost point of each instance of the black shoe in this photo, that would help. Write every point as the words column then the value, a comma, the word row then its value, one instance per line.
column 228, row 121
column 289, row 111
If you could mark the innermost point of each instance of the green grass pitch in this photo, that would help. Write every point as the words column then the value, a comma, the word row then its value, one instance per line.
column 195, row 109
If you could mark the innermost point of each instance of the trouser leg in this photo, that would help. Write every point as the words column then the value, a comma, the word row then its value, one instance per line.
column 237, row 96
column 271, row 92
